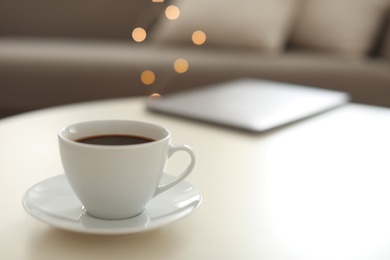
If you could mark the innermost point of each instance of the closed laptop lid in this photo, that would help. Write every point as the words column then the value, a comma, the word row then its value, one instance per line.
column 251, row 104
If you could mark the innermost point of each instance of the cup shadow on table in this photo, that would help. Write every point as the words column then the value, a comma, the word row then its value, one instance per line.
column 57, row 241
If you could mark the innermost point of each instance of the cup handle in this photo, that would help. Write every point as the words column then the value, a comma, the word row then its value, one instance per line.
column 182, row 176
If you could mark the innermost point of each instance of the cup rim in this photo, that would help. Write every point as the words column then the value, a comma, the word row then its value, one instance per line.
column 63, row 137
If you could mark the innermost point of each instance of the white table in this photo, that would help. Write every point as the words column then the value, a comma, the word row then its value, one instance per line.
column 316, row 189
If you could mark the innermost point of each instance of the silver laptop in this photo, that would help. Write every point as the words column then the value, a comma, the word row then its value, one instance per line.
column 251, row 104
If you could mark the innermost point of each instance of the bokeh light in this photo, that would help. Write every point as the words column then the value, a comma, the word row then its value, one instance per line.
column 158, row 1
column 148, row 77
column 181, row 65
column 199, row 37
column 172, row 12
column 155, row 95
column 139, row 34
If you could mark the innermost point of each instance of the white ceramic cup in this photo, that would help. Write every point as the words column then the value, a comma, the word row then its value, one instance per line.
column 118, row 181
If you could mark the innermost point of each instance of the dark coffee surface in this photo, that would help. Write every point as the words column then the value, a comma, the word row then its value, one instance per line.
column 114, row 140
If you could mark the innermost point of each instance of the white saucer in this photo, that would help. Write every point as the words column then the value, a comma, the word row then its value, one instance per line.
column 53, row 201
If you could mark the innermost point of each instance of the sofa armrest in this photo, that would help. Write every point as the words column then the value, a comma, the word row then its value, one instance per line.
column 86, row 19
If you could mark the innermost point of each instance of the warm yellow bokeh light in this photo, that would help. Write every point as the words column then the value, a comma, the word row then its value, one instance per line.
column 181, row 65
column 139, row 34
column 172, row 12
column 158, row 1
column 199, row 37
column 148, row 77
column 155, row 95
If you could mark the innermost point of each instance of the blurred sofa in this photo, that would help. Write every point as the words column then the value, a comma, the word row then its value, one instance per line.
column 60, row 52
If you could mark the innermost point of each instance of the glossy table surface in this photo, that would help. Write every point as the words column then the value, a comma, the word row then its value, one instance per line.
column 315, row 189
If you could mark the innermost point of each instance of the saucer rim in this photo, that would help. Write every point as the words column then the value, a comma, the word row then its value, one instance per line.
column 64, row 225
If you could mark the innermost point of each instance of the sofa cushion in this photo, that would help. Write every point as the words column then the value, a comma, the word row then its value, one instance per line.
column 344, row 27
column 254, row 24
